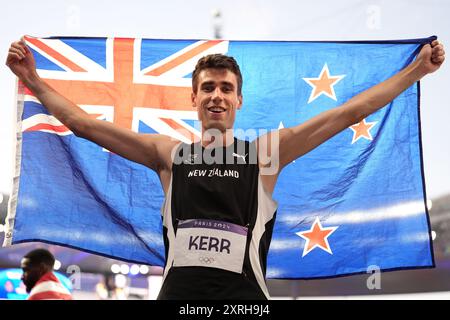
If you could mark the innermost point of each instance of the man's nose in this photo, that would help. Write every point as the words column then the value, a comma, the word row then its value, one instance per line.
column 217, row 95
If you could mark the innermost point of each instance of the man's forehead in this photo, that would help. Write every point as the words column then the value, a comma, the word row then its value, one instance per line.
column 221, row 75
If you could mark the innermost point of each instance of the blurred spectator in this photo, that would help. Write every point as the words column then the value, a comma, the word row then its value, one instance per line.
column 108, row 289
column 38, row 277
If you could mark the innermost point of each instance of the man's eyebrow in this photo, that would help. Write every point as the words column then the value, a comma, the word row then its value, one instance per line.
column 206, row 83
column 227, row 83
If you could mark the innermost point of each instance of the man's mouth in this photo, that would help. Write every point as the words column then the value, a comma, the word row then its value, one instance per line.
column 216, row 109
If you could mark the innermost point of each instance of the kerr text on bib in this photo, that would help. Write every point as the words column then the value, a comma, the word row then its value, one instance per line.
column 210, row 243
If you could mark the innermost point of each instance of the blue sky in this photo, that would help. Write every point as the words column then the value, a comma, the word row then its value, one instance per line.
column 242, row 20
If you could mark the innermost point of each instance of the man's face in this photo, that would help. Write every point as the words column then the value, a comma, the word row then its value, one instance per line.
column 216, row 99
column 31, row 274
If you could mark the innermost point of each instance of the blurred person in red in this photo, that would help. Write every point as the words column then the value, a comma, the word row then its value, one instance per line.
column 41, row 283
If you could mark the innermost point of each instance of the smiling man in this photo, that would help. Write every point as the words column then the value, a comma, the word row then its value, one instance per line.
column 218, row 213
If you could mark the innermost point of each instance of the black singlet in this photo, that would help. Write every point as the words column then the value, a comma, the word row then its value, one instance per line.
column 229, row 192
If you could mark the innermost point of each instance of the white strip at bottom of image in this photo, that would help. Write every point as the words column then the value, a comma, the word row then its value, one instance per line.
column 443, row 295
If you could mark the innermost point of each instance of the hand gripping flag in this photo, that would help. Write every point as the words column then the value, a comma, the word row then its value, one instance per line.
column 356, row 201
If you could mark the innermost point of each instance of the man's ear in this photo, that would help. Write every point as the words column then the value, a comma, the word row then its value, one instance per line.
column 240, row 100
column 193, row 99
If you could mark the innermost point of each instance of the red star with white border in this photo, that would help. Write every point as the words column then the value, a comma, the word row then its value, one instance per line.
column 316, row 237
column 362, row 130
column 324, row 84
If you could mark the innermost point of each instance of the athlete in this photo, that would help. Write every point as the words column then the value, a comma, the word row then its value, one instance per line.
column 218, row 213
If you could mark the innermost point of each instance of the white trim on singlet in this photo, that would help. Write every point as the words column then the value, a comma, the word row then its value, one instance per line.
column 167, row 222
column 266, row 210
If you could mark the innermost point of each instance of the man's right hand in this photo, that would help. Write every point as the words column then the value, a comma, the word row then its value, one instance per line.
column 21, row 61
column 151, row 150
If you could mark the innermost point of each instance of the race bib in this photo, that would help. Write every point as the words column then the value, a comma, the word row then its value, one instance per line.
column 210, row 243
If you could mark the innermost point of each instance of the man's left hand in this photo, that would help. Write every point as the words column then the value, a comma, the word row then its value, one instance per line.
column 431, row 57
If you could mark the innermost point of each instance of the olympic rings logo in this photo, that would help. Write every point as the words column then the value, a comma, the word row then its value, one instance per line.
column 206, row 260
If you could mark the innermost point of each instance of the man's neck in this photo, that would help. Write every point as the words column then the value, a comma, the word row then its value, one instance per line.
column 214, row 138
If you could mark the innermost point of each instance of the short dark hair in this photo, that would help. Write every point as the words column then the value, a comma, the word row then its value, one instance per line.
column 41, row 256
column 217, row 61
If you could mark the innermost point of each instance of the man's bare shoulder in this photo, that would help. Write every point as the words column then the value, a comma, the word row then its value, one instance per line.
column 166, row 147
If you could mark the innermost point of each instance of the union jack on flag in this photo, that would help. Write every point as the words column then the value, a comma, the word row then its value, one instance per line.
column 109, row 80
column 356, row 201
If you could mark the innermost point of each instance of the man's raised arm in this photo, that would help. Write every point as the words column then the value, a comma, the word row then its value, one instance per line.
column 152, row 150
column 298, row 140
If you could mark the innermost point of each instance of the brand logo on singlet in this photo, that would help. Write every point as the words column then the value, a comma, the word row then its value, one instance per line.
column 210, row 243
column 239, row 156
column 191, row 159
